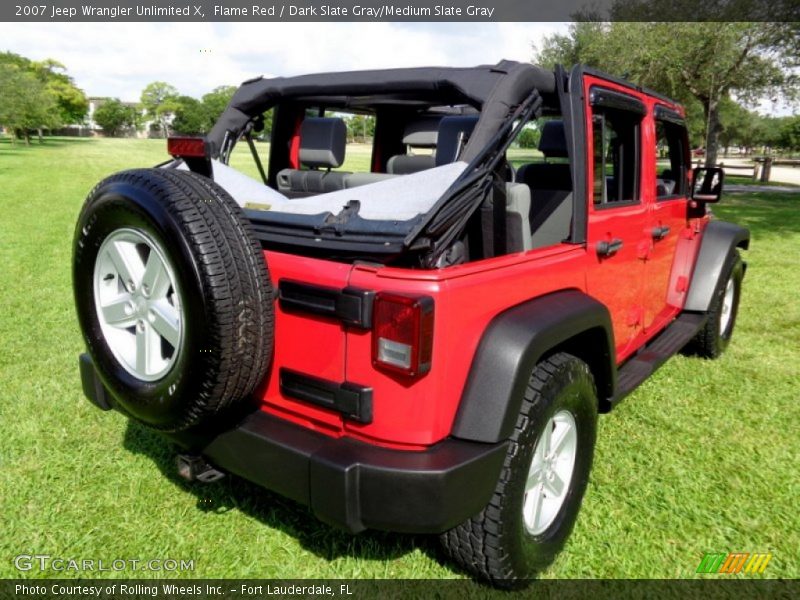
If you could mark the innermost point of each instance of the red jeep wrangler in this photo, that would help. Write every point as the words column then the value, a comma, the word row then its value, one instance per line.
column 423, row 346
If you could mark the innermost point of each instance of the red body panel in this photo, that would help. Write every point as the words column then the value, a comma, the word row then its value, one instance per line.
column 466, row 298
column 306, row 343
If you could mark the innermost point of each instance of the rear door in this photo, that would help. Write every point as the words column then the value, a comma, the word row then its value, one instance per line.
column 617, row 234
column 666, row 192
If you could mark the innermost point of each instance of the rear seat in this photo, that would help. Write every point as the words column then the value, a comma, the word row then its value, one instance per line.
column 454, row 131
column 550, row 188
column 356, row 179
column 323, row 141
column 322, row 146
column 518, row 229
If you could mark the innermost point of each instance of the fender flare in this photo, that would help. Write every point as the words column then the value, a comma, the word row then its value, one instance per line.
column 513, row 343
column 720, row 238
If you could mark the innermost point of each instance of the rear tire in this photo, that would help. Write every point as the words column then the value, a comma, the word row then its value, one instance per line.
column 182, row 351
column 712, row 340
column 506, row 544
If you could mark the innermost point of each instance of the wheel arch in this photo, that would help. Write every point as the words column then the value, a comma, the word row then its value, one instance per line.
column 719, row 239
column 515, row 341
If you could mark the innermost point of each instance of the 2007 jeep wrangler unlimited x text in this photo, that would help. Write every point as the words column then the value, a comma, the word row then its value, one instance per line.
column 423, row 347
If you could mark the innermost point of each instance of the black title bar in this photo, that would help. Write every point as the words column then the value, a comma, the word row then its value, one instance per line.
column 402, row 10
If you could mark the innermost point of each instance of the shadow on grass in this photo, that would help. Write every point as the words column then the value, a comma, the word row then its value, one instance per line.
column 274, row 511
column 764, row 213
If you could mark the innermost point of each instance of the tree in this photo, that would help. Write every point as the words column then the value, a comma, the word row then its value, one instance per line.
column 112, row 116
column 191, row 116
column 528, row 138
column 360, row 127
column 789, row 137
column 703, row 62
column 158, row 99
column 25, row 103
column 70, row 103
column 216, row 101
column 771, row 130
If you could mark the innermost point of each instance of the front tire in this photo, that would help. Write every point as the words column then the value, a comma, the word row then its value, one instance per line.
column 542, row 483
column 712, row 340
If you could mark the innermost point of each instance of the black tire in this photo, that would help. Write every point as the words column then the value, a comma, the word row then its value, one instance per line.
column 711, row 341
column 495, row 545
column 226, row 299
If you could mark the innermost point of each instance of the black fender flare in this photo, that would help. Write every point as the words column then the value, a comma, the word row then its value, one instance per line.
column 514, row 342
column 719, row 240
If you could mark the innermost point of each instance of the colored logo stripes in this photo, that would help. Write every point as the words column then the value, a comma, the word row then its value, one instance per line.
column 734, row 562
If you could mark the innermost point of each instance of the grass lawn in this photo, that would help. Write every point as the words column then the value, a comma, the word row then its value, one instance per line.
column 702, row 458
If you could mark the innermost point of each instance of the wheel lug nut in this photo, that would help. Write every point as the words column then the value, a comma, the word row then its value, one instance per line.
column 145, row 290
column 140, row 325
column 151, row 315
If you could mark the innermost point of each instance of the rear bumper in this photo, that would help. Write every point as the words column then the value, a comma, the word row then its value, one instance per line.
column 352, row 484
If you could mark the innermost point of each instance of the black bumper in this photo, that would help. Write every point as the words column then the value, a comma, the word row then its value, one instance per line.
column 352, row 484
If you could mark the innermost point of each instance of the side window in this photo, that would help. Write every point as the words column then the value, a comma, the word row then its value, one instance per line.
column 671, row 160
column 615, row 135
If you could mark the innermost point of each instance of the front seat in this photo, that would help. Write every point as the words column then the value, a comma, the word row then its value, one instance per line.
column 419, row 133
column 454, row 132
column 322, row 146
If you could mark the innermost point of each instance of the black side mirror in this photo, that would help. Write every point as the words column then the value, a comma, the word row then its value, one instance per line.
column 707, row 184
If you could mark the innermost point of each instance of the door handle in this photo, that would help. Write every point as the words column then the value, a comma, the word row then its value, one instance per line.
column 659, row 233
column 608, row 248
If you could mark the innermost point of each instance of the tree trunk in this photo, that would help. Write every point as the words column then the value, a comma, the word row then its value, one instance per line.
column 39, row 133
column 714, row 128
column 27, row 138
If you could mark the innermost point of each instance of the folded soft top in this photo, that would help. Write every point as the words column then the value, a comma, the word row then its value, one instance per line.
column 494, row 89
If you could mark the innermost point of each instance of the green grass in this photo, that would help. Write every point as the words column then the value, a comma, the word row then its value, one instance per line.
column 703, row 457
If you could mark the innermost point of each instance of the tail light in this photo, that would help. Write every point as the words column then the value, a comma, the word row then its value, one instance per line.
column 186, row 147
column 402, row 334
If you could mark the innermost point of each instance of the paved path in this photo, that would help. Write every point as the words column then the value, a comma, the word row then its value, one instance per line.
column 734, row 188
column 777, row 174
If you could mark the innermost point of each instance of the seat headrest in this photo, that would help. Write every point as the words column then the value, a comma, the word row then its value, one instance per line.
column 453, row 134
column 422, row 132
column 404, row 164
column 553, row 143
column 322, row 142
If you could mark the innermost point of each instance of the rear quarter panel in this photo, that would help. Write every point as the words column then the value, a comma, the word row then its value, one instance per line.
column 415, row 413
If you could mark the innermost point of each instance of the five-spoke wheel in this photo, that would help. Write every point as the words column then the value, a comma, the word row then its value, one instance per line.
column 138, row 303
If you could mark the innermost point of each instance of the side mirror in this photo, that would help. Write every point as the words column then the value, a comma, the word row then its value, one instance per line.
column 707, row 184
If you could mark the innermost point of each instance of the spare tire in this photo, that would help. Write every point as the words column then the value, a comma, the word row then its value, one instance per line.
column 173, row 296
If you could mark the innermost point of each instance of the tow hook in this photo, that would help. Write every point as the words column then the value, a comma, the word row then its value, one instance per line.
column 195, row 468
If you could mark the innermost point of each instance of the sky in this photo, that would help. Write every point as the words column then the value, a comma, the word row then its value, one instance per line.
column 120, row 59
